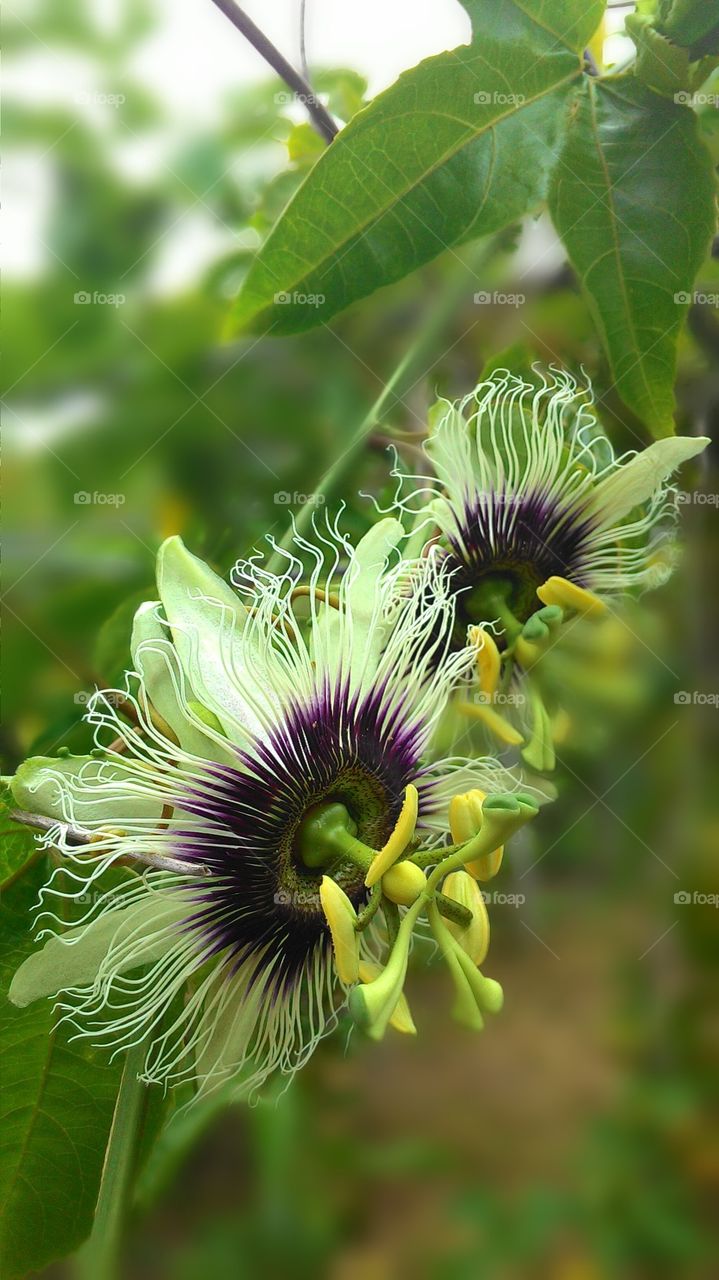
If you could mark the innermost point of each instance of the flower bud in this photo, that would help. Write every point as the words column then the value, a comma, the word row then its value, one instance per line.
column 465, row 820
column 474, row 940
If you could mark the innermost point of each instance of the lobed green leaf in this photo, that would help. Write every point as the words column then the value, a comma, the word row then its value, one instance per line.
column 633, row 198
column 458, row 147
column 56, row 1107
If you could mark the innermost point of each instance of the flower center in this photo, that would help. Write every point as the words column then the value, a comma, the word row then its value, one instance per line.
column 509, row 589
column 355, row 805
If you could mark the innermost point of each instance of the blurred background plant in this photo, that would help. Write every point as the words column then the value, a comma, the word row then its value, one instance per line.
column 579, row 1137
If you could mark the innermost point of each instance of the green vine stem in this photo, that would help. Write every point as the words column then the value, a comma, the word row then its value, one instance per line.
column 438, row 316
column 98, row 1259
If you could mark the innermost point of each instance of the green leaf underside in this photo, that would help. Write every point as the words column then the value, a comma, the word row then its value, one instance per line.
column 692, row 23
column 56, row 1105
column 570, row 22
column 18, row 846
column 458, row 147
column 633, row 198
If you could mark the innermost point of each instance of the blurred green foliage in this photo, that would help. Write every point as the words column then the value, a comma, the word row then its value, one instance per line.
column 578, row 1139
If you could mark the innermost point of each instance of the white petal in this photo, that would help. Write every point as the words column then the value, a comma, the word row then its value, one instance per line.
column 634, row 482
column 207, row 620
column 157, row 662
column 364, row 584
column 350, row 639
column 229, row 1025
column 144, row 931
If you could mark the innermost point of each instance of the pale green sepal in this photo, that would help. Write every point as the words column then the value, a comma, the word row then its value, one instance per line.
column 74, row 959
column 638, row 480
column 79, row 790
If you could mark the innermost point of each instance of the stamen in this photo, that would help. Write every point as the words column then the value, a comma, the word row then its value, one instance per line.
column 341, row 918
column 462, row 888
column 398, row 840
column 539, row 751
column 465, row 821
column 488, row 659
column 496, row 724
column 568, row 595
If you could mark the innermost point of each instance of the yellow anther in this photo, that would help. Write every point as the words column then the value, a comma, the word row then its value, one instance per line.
column 341, row 917
column 474, row 939
column 465, row 821
column 403, row 883
column 488, row 659
column 561, row 726
column 496, row 724
column 401, row 1019
column 526, row 653
column 486, row 867
column 569, row 596
column 399, row 839
column 465, row 815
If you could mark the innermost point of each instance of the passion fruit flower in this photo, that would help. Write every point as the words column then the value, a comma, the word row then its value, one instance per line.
column 257, row 797
column 539, row 520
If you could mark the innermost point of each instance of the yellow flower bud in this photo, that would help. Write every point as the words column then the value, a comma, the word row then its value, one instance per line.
column 487, row 866
column 403, row 883
column 465, row 815
column 462, row 888
column 341, row 917
column 465, row 821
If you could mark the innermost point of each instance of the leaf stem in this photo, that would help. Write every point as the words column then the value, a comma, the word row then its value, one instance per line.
column 99, row 1257
column 321, row 118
